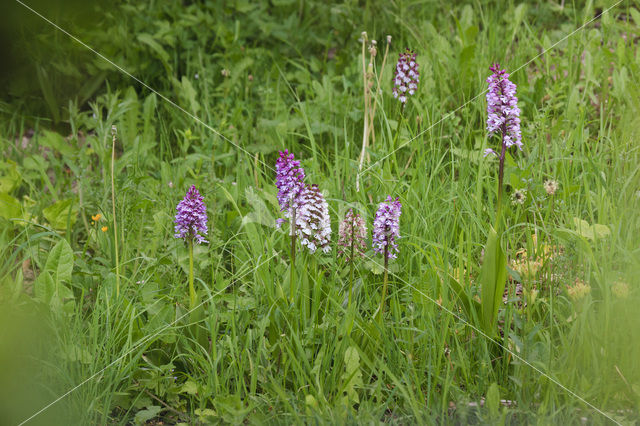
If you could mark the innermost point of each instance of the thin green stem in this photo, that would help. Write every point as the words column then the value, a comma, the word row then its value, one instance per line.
column 384, row 283
column 113, row 205
column 503, row 152
column 351, row 262
column 293, row 253
column 192, row 290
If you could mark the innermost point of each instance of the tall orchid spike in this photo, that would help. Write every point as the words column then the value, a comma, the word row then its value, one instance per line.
column 191, row 217
column 313, row 223
column 503, row 114
column 353, row 233
column 386, row 227
column 405, row 82
column 290, row 183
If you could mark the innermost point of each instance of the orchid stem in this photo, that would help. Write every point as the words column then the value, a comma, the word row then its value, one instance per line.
column 192, row 290
column 386, row 280
column 293, row 253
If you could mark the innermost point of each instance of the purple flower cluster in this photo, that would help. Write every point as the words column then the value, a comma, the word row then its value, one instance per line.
column 502, row 108
column 407, row 77
column 312, row 222
column 290, row 183
column 191, row 217
column 386, row 227
column 353, row 232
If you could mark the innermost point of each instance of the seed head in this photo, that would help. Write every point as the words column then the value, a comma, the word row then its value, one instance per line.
column 551, row 186
column 519, row 196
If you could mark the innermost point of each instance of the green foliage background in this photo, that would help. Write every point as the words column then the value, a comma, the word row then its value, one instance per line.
column 295, row 81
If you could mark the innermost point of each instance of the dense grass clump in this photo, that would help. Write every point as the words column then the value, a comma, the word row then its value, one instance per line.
column 373, row 249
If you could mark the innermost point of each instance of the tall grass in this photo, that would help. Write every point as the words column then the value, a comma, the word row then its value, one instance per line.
column 247, row 353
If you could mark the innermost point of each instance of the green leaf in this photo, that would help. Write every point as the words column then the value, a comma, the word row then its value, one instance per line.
column 189, row 95
column 493, row 276
column 60, row 262
column 635, row 14
column 189, row 387
column 44, row 287
column 9, row 207
column 60, row 212
column 155, row 46
column 147, row 414
column 205, row 414
column 590, row 232
column 352, row 375
column 9, row 176
column 492, row 400
column 56, row 142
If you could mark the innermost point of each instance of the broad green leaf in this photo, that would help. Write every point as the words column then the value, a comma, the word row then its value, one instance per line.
column 205, row 414
column 155, row 46
column 189, row 95
column 590, row 232
column 352, row 375
column 190, row 387
column 636, row 15
column 9, row 207
column 60, row 262
column 143, row 416
column 601, row 231
column 492, row 400
column 9, row 176
column 60, row 212
column 56, row 142
column 44, row 287
column 493, row 276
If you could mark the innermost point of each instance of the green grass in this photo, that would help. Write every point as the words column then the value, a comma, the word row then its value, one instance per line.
column 247, row 353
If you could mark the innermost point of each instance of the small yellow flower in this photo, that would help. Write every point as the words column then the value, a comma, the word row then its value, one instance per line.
column 96, row 217
column 579, row 290
column 104, row 228
column 620, row 289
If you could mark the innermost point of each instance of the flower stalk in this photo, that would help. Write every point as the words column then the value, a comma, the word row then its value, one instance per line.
column 191, row 226
column 192, row 290
column 386, row 230
column 114, row 132
column 503, row 115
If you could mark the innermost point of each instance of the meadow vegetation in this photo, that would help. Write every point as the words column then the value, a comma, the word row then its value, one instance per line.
column 273, row 338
